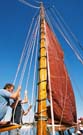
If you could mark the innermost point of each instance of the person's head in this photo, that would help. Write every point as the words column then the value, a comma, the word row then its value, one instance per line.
column 9, row 87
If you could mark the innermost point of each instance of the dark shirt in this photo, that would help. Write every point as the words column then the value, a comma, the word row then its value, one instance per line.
column 17, row 115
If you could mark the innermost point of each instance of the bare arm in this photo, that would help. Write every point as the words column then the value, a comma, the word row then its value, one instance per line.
column 14, row 104
column 25, row 100
column 16, row 94
column 26, row 112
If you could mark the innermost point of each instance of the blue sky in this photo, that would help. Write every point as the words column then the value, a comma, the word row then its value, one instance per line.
column 15, row 19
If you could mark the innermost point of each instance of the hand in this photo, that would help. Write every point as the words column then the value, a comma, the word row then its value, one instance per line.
column 19, row 88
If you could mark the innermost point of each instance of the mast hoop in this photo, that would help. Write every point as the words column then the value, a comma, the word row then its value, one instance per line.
column 39, row 100
column 43, row 118
column 42, row 81
column 41, row 57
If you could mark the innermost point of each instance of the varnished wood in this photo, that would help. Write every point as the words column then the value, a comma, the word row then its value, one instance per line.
column 42, row 96
column 9, row 127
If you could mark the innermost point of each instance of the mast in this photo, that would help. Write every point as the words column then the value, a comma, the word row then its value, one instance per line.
column 42, row 85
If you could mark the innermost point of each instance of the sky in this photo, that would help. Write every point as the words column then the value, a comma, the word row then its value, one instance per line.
column 15, row 19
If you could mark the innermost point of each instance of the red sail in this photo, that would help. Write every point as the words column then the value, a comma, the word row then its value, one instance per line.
column 64, row 107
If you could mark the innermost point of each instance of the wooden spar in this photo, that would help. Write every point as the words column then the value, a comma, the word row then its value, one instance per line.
column 42, row 85
column 9, row 127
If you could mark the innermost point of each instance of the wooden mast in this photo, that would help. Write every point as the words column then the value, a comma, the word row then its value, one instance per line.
column 42, row 85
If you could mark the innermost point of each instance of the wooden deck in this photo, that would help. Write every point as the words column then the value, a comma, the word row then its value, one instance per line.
column 9, row 127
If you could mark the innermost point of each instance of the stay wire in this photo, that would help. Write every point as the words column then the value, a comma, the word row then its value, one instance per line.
column 66, row 31
column 27, row 56
column 28, row 4
column 26, row 87
column 35, row 67
column 67, row 27
column 67, row 40
column 23, row 52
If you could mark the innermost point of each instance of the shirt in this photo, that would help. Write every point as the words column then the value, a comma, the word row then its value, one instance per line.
column 4, row 102
column 17, row 116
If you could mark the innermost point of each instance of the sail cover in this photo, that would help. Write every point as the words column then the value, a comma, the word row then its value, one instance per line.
column 64, row 107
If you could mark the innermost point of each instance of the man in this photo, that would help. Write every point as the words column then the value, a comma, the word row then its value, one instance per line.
column 7, row 97
column 18, row 111
column 17, row 114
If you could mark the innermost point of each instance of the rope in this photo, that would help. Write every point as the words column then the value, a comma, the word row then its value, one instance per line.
column 50, row 88
column 33, row 101
column 32, row 41
column 28, row 4
column 15, row 110
column 72, row 77
column 68, row 42
column 37, row 1
column 73, row 35
column 26, row 87
column 23, row 52
column 64, row 101
column 48, row 20
column 34, row 78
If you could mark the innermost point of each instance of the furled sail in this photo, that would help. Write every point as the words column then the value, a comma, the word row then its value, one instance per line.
column 64, row 107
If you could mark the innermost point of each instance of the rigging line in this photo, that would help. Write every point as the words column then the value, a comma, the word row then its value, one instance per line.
column 50, row 24
column 34, row 78
column 26, row 60
column 64, row 101
column 48, row 20
column 28, row 4
column 73, row 79
column 50, row 88
column 26, row 87
column 38, row 1
column 68, row 28
column 68, row 42
column 33, row 100
column 15, row 110
column 23, row 52
column 65, row 30
column 30, row 64
column 27, row 55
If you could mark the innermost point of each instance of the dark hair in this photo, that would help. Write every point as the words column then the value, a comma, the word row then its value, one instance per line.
column 8, row 85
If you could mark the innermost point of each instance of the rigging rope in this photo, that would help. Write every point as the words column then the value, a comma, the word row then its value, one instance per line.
column 73, row 35
column 34, row 78
column 67, row 40
column 37, row 1
column 28, row 4
column 23, row 52
column 26, row 87
column 66, row 30
column 50, row 88
column 72, row 77
column 64, row 100
column 28, row 52
column 32, row 41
